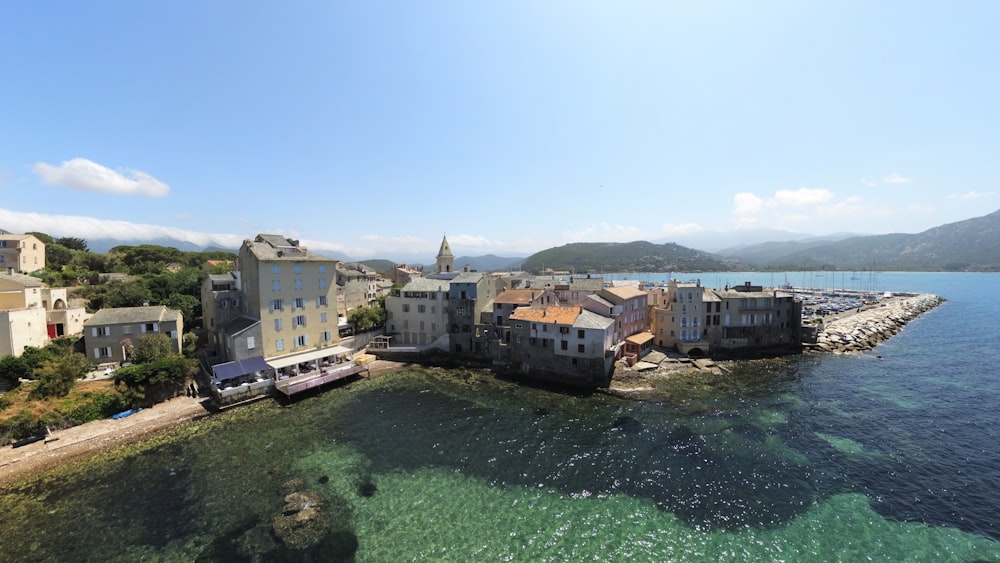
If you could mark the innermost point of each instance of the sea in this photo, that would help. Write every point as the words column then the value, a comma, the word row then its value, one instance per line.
column 889, row 455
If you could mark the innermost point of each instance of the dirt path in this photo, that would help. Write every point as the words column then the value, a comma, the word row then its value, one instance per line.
column 93, row 437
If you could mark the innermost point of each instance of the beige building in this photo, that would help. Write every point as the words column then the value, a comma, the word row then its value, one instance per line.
column 21, row 253
column 112, row 332
column 31, row 314
column 696, row 320
column 417, row 316
column 292, row 292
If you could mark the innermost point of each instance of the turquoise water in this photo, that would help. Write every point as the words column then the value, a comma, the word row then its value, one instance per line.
column 888, row 456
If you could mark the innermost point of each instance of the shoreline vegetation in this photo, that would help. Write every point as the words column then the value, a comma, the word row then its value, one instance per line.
column 852, row 333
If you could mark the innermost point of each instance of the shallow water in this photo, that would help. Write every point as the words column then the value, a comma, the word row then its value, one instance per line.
column 813, row 458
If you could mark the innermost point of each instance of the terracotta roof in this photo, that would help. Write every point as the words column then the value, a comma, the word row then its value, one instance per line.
column 551, row 315
column 517, row 296
column 626, row 292
column 640, row 338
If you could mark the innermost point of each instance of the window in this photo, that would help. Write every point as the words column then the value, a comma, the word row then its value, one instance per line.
column 564, row 330
column 299, row 303
column 275, row 269
column 518, row 325
column 322, row 317
column 327, row 336
column 406, row 308
column 564, row 345
column 298, row 268
column 101, row 331
column 298, row 320
column 150, row 327
column 322, row 268
column 298, row 283
column 545, row 328
column 251, row 344
column 277, row 324
column 277, row 305
column 579, row 333
column 279, row 344
column 276, row 285
column 421, row 308
column 127, row 329
column 580, row 348
column 322, row 283
column 302, row 340
column 321, row 301
column 102, row 352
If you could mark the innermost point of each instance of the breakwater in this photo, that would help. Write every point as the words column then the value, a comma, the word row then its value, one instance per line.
column 868, row 328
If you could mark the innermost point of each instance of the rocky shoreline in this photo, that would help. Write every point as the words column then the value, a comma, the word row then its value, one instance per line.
column 870, row 327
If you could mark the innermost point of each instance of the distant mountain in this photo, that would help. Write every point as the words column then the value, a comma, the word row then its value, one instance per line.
column 488, row 263
column 639, row 256
column 775, row 251
column 380, row 266
column 716, row 241
column 972, row 245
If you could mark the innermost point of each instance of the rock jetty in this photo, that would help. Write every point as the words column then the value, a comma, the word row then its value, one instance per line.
column 868, row 328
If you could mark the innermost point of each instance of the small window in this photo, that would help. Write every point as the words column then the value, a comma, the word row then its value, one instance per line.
column 518, row 325
column 275, row 269
column 298, row 283
column 298, row 320
column 251, row 343
column 564, row 345
column 302, row 340
column 299, row 303
column 579, row 333
column 277, row 324
column 322, row 317
column 279, row 344
column 276, row 285
column 580, row 348
column 298, row 268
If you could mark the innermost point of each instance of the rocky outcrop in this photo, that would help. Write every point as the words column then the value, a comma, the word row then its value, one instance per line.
column 301, row 523
column 869, row 328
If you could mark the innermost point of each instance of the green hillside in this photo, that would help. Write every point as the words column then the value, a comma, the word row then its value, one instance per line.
column 640, row 256
column 972, row 245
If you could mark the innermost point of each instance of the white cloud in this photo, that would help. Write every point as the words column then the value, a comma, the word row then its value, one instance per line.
column 969, row 196
column 604, row 232
column 92, row 228
column 801, row 197
column 86, row 175
column 896, row 179
column 747, row 203
column 685, row 229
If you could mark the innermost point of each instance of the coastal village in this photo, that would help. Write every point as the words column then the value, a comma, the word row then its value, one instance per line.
column 275, row 323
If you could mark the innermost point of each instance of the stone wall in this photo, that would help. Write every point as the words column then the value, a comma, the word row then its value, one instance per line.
column 868, row 328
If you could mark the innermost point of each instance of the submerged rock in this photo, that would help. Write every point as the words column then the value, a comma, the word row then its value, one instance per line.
column 301, row 523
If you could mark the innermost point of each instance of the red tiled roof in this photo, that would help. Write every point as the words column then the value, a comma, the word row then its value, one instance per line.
column 552, row 315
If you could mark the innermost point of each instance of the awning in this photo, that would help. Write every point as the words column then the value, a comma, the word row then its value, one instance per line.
column 640, row 338
column 309, row 356
column 239, row 368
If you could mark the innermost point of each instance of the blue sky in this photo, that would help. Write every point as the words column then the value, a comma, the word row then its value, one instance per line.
column 371, row 129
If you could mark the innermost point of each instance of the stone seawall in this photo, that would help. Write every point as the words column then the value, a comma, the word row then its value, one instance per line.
column 870, row 327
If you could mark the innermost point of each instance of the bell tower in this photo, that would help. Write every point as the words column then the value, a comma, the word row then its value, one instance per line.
column 445, row 259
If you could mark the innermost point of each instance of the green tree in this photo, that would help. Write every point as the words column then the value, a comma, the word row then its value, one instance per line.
column 56, row 378
column 190, row 307
column 57, row 256
column 35, row 357
column 367, row 318
column 46, row 239
column 144, row 384
column 73, row 243
column 151, row 347
column 13, row 368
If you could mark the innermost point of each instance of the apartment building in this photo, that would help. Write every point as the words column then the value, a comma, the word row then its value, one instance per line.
column 111, row 333
column 567, row 344
column 291, row 293
column 417, row 314
column 21, row 253
column 32, row 313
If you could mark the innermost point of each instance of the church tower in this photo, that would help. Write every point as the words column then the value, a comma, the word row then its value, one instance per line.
column 445, row 259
